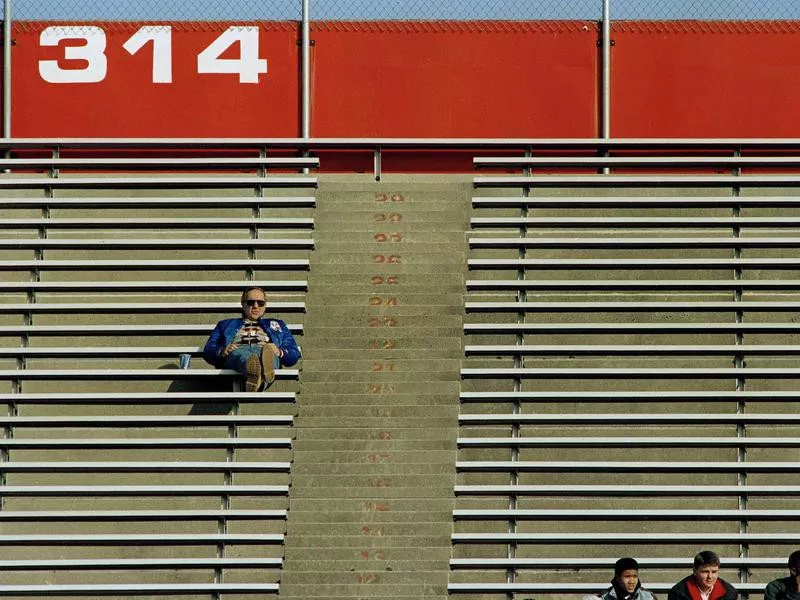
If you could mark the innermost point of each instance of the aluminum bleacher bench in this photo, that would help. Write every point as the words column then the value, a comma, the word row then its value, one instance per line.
column 594, row 202
column 140, row 563
column 624, row 419
column 110, row 491
column 631, row 349
column 132, row 374
column 632, row 222
column 215, row 202
column 160, row 223
column 632, row 307
column 633, row 263
column 566, row 587
column 165, row 164
column 634, row 491
column 666, row 162
column 152, row 398
column 119, row 330
column 621, row 181
column 556, row 514
column 634, row 373
column 145, row 307
column 271, row 264
column 156, row 243
column 149, row 286
column 637, row 242
column 139, row 589
column 655, row 285
column 155, row 182
column 605, row 563
column 631, row 396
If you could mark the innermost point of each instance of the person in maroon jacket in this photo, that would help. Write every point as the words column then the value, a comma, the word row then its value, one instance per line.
column 704, row 583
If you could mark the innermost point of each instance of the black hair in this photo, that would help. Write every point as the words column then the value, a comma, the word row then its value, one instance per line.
column 623, row 564
column 706, row 557
column 794, row 560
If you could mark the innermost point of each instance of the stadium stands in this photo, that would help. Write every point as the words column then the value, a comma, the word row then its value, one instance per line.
column 123, row 474
column 629, row 386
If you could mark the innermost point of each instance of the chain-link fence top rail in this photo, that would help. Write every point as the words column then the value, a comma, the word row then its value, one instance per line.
column 507, row 10
column 244, row 10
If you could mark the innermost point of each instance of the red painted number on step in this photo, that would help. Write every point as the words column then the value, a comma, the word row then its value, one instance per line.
column 377, row 506
column 388, row 218
column 372, row 531
column 383, row 322
column 388, row 259
column 378, row 457
column 387, row 301
column 388, row 237
column 383, row 344
column 381, row 280
column 379, row 367
column 368, row 578
column 381, row 390
column 383, row 197
column 374, row 555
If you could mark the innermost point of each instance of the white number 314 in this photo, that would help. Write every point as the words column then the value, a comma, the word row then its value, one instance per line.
column 248, row 65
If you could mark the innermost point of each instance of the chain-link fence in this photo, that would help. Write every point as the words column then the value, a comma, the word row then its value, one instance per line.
column 156, row 10
column 346, row 10
column 459, row 10
column 705, row 10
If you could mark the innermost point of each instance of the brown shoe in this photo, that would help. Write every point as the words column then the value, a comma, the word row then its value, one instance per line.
column 254, row 375
column 268, row 371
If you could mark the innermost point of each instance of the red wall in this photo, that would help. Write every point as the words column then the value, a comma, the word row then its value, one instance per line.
column 450, row 79
column 706, row 79
column 426, row 79
column 128, row 104
column 439, row 79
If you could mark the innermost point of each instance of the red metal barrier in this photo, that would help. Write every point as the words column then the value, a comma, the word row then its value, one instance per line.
column 111, row 92
column 706, row 79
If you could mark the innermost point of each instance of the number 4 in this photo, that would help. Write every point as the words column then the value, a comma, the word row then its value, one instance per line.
column 248, row 65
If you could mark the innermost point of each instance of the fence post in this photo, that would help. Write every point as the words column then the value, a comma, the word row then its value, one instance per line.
column 606, row 83
column 305, row 73
column 7, row 69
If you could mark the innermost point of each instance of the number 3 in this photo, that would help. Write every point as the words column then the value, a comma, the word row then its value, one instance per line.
column 93, row 52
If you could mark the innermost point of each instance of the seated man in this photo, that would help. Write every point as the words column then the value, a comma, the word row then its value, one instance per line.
column 252, row 345
column 626, row 584
column 704, row 583
column 786, row 588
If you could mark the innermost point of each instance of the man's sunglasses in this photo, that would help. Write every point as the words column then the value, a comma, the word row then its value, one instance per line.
column 255, row 302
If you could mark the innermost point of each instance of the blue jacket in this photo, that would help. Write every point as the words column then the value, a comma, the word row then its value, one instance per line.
column 226, row 329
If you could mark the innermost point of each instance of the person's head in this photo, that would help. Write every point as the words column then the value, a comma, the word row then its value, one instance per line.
column 626, row 574
column 706, row 569
column 254, row 302
column 794, row 563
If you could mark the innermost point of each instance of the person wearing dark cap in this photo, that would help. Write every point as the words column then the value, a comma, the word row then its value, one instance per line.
column 704, row 583
column 786, row 588
column 626, row 584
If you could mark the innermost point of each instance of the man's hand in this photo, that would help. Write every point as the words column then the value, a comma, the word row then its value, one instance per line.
column 229, row 348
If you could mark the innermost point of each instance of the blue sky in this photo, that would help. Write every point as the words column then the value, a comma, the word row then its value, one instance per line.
column 401, row 9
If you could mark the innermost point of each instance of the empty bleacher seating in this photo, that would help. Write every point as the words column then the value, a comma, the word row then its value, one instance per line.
column 123, row 474
column 630, row 382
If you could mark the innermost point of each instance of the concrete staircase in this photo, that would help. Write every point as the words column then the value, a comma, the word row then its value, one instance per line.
column 374, row 462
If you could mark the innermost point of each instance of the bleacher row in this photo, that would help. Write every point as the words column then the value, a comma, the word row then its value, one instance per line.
column 630, row 383
column 121, row 473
